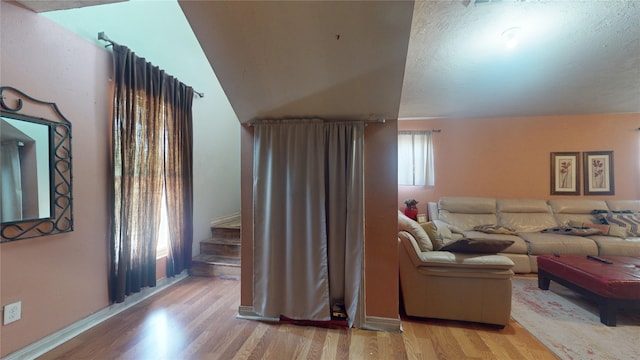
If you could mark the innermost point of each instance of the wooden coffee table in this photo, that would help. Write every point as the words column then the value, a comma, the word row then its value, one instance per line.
column 612, row 286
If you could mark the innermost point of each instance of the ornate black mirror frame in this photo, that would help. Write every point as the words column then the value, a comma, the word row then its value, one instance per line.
column 60, row 174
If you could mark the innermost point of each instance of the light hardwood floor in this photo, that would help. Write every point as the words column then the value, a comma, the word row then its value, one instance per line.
column 196, row 319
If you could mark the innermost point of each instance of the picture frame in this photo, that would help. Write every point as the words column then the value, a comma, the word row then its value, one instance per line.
column 598, row 173
column 422, row 218
column 565, row 173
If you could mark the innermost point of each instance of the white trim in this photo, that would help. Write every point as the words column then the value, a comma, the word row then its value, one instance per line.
column 224, row 219
column 59, row 337
column 382, row 324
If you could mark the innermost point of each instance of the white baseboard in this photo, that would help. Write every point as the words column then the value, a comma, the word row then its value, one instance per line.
column 56, row 339
column 382, row 324
column 224, row 219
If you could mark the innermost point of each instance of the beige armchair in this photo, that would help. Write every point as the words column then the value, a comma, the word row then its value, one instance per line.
column 446, row 285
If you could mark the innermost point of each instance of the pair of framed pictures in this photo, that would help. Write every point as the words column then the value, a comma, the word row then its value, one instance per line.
column 597, row 173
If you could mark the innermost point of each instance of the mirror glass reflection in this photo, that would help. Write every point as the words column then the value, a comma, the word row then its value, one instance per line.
column 25, row 170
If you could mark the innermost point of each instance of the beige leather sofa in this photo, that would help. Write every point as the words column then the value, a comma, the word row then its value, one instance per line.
column 528, row 217
column 446, row 285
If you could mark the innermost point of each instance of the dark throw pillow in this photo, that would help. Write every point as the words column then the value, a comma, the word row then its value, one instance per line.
column 477, row 246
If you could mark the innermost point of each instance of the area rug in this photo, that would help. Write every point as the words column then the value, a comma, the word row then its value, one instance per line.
column 569, row 325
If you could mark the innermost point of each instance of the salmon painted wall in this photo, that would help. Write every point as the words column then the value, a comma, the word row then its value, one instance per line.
column 510, row 157
column 62, row 278
column 381, row 248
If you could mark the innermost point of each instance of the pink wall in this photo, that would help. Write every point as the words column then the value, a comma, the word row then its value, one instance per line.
column 510, row 157
column 62, row 278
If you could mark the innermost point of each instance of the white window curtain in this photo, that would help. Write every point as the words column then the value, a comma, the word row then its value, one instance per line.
column 415, row 158
column 11, row 182
column 308, row 218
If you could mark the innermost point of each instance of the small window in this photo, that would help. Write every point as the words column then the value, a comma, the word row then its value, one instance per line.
column 415, row 158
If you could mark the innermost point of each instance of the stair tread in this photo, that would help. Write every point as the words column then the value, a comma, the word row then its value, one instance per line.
column 216, row 259
column 223, row 240
column 231, row 224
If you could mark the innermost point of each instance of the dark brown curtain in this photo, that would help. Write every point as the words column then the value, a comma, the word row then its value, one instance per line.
column 178, row 174
column 151, row 151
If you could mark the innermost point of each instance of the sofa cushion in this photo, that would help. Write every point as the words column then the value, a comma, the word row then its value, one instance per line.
column 527, row 222
column 467, row 205
column 494, row 229
column 477, row 246
column 613, row 246
column 545, row 243
column 621, row 205
column 566, row 210
column 467, row 212
column 522, row 206
column 525, row 215
column 415, row 229
column 466, row 262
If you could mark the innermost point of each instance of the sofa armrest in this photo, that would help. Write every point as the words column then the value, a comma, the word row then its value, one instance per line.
column 455, row 260
column 446, row 259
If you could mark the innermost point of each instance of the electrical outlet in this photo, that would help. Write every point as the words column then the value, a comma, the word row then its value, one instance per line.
column 12, row 312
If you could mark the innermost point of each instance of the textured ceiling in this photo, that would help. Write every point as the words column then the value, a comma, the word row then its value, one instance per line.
column 572, row 58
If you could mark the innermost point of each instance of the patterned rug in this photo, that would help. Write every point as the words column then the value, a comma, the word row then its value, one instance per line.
column 569, row 325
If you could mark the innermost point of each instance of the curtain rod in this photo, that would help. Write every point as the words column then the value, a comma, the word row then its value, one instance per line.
column 371, row 121
column 437, row 131
column 102, row 36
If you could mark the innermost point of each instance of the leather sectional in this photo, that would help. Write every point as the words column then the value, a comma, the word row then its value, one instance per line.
column 531, row 220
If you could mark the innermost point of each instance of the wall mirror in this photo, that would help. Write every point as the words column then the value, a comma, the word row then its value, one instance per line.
column 35, row 167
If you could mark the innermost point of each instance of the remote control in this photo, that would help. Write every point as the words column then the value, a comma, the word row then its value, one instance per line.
column 599, row 259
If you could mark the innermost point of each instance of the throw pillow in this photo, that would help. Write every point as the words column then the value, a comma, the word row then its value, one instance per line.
column 438, row 232
column 477, row 246
column 432, row 231
column 494, row 229
column 412, row 227
column 577, row 231
column 443, row 234
column 617, row 231
column 456, row 230
column 628, row 221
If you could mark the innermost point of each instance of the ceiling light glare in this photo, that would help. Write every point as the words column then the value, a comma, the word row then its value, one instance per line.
column 510, row 37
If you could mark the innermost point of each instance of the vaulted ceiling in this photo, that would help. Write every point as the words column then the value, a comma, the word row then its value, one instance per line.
column 428, row 59
column 275, row 59
column 348, row 59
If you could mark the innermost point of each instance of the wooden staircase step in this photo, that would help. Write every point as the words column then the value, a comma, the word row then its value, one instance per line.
column 225, row 232
column 229, row 247
column 215, row 266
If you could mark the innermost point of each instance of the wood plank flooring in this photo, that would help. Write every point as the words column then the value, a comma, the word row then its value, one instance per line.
column 196, row 319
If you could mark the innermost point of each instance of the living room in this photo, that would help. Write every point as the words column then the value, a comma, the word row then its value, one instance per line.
column 62, row 278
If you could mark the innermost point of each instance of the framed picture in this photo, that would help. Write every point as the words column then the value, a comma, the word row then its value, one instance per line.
column 598, row 173
column 565, row 173
column 422, row 218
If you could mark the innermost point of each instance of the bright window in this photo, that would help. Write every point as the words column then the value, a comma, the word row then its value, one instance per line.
column 163, row 235
column 415, row 158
